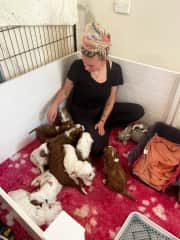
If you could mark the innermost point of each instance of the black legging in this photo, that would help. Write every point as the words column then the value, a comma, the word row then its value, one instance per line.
column 121, row 115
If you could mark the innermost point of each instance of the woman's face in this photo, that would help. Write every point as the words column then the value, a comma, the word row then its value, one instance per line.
column 92, row 64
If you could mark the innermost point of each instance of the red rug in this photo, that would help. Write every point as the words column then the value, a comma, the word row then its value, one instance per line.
column 102, row 211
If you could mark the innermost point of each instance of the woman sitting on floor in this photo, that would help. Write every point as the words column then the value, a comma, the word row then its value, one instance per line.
column 93, row 82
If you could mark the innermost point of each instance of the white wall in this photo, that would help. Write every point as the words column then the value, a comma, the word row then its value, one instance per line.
column 23, row 103
column 41, row 12
column 152, row 87
column 176, row 120
column 150, row 34
column 174, row 113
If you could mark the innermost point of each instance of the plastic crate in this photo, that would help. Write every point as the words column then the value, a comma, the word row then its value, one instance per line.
column 139, row 227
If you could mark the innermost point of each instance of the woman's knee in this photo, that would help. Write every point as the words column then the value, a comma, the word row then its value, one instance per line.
column 97, row 150
column 138, row 111
column 99, row 143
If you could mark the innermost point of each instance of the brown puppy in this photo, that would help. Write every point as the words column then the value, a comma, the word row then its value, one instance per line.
column 70, row 136
column 56, row 156
column 47, row 131
column 115, row 174
column 56, row 167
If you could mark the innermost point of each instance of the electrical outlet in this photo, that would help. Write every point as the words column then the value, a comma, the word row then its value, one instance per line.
column 122, row 6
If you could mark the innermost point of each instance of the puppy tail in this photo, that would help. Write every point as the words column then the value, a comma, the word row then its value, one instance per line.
column 127, row 194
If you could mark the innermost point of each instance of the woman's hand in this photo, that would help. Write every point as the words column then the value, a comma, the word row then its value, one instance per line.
column 52, row 113
column 100, row 127
column 61, row 95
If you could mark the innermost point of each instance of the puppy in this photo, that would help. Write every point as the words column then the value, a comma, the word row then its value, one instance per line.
column 115, row 174
column 41, row 215
column 49, row 212
column 49, row 187
column 62, row 116
column 83, row 147
column 70, row 136
column 47, row 131
column 39, row 157
column 125, row 135
column 75, row 168
column 138, row 131
column 56, row 167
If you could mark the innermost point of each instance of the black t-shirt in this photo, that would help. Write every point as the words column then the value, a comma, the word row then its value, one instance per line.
column 88, row 93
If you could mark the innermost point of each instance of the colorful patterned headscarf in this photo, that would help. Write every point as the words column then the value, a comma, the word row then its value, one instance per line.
column 95, row 40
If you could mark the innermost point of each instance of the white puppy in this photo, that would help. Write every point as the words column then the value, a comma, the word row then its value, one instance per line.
column 76, row 168
column 85, row 171
column 48, row 212
column 49, row 189
column 39, row 156
column 41, row 215
column 84, row 145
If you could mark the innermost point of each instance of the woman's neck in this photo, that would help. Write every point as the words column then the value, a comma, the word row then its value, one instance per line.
column 100, row 75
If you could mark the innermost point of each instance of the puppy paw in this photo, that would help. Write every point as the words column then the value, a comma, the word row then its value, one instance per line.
column 84, row 191
column 35, row 183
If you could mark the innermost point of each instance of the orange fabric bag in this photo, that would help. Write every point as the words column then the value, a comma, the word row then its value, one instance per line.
column 158, row 163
